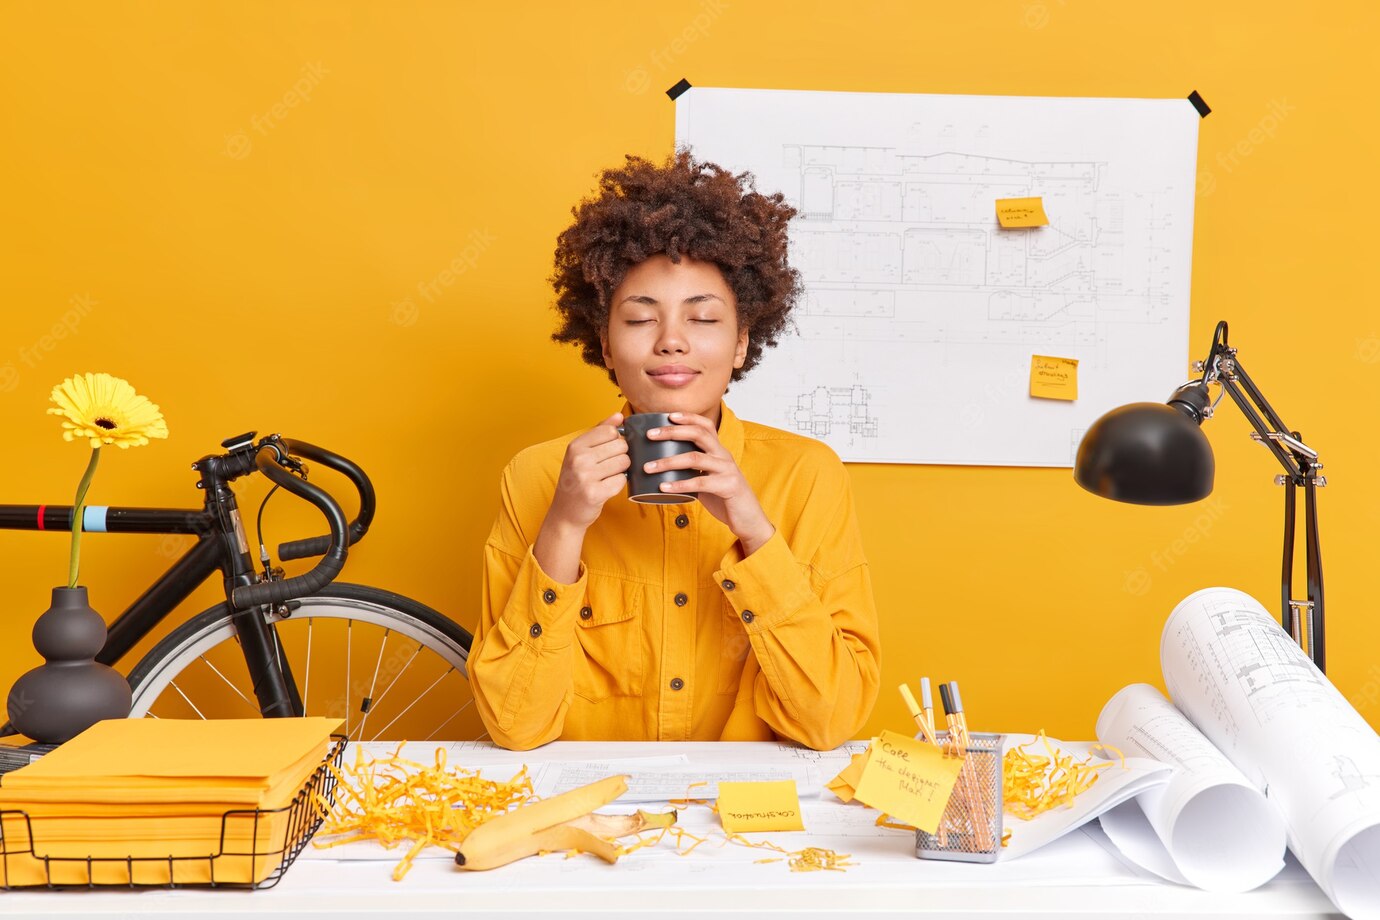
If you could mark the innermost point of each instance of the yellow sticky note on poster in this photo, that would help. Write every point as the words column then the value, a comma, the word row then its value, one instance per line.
column 769, row 806
column 1053, row 378
column 908, row 779
column 1021, row 212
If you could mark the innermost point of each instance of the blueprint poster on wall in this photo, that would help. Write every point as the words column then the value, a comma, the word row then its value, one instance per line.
column 922, row 319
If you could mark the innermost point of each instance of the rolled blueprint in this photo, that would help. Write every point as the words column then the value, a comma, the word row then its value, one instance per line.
column 1209, row 826
column 1254, row 693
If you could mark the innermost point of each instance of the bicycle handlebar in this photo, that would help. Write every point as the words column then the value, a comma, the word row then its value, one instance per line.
column 269, row 457
column 315, row 546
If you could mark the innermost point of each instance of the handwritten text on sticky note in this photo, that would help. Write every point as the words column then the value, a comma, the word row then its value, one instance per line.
column 908, row 779
column 1021, row 212
column 769, row 806
column 1053, row 378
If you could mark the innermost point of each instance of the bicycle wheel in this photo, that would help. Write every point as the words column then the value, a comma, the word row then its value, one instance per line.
column 393, row 669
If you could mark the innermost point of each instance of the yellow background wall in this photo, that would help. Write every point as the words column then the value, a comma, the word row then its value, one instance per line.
column 282, row 269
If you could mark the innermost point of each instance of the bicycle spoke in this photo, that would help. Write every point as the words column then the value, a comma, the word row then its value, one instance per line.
column 368, row 702
column 229, row 683
column 184, row 696
column 452, row 718
column 306, row 681
column 414, row 701
column 349, row 633
column 396, row 678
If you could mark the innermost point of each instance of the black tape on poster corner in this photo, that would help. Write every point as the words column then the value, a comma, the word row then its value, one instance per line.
column 1199, row 104
column 675, row 91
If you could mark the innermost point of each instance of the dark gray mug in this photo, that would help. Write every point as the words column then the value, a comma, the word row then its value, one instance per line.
column 645, row 487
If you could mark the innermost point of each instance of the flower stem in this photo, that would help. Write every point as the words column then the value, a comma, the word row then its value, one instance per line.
column 77, row 516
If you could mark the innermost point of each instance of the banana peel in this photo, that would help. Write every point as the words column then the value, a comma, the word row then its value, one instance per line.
column 622, row 825
column 563, row 822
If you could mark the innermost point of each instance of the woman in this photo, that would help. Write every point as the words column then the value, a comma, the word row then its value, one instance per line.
column 745, row 615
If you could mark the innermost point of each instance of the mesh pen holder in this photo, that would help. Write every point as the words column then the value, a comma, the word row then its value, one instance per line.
column 971, row 827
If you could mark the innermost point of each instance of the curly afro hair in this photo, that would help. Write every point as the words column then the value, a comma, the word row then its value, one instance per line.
column 682, row 208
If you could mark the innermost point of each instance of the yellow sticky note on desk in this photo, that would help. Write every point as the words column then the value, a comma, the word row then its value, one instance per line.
column 846, row 783
column 1053, row 378
column 909, row 779
column 770, row 806
column 1021, row 212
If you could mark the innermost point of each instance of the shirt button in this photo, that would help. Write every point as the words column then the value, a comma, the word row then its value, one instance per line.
column 682, row 520
column 677, row 683
column 682, row 600
column 586, row 613
column 748, row 616
column 729, row 585
column 549, row 596
column 535, row 630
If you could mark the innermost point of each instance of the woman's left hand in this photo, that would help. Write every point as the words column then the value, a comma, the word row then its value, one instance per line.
column 722, row 488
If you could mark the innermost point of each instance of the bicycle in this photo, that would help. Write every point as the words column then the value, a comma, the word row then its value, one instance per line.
column 256, row 633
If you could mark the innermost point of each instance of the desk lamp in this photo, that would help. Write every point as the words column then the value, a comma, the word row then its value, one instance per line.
column 1156, row 454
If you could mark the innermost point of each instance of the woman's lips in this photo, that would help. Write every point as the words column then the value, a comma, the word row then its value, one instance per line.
column 675, row 381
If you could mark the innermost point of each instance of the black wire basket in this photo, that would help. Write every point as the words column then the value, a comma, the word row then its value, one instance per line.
column 276, row 836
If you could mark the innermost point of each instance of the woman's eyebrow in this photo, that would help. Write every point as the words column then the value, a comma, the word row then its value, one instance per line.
column 650, row 300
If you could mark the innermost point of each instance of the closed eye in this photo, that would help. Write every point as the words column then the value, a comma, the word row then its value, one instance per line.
column 639, row 322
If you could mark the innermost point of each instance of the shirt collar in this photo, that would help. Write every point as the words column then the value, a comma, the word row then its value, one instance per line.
column 730, row 430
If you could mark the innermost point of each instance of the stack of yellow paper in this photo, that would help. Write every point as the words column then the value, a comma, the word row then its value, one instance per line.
column 159, row 788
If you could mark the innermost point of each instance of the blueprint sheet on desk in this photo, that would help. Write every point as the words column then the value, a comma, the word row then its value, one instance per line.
column 913, row 341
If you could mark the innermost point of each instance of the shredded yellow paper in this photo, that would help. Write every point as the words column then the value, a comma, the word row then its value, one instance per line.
column 1032, row 784
column 810, row 859
column 392, row 799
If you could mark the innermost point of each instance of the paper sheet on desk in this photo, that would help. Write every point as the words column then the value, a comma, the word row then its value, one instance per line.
column 1114, row 786
column 662, row 784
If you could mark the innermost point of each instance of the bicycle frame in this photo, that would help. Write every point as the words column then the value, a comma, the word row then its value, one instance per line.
column 221, row 544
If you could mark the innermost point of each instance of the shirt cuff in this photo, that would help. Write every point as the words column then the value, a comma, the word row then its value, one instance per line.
column 552, row 604
column 766, row 588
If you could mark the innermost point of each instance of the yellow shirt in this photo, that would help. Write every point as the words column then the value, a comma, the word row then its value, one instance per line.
column 669, row 633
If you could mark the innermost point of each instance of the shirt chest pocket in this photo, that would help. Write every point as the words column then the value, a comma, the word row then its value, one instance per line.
column 609, row 660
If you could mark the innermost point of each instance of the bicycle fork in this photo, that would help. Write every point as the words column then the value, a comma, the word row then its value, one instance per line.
column 269, row 668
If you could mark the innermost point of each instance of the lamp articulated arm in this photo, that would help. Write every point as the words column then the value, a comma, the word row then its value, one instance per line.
column 1301, row 619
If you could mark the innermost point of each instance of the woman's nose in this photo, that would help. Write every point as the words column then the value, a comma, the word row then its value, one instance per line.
column 672, row 338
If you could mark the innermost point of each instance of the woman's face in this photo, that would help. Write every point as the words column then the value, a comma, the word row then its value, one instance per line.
column 673, row 339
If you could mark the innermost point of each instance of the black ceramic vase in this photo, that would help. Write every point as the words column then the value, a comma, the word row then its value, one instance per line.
column 59, row 700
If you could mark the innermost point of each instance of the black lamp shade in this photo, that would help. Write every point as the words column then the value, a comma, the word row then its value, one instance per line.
column 1145, row 454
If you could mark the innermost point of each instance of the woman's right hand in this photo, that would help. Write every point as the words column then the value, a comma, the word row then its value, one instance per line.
column 591, row 473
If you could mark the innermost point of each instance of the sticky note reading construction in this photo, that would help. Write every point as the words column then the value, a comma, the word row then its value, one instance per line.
column 1021, row 212
column 908, row 779
column 771, row 806
column 1053, row 378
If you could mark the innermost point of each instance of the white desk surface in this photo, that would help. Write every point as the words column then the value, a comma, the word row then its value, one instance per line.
column 1078, row 875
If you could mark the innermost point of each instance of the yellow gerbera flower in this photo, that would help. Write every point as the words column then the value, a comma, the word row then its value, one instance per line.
column 106, row 410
